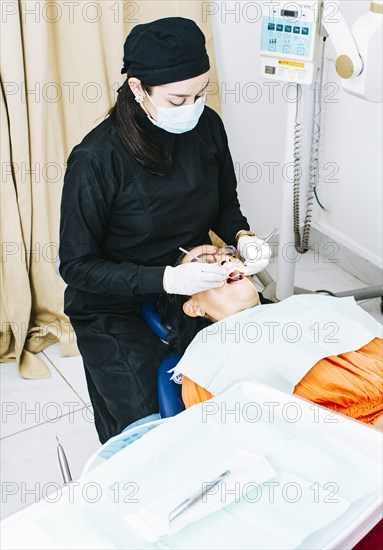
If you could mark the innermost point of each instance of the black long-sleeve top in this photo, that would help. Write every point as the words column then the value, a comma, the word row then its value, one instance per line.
column 121, row 225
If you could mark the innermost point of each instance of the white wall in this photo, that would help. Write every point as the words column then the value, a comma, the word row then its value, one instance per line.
column 352, row 138
column 255, row 123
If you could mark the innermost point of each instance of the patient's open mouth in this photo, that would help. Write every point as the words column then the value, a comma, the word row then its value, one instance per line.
column 235, row 276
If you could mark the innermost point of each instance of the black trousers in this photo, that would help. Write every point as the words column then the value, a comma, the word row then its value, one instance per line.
column 121, row 356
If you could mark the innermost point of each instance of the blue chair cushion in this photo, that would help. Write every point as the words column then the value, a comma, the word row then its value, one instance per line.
column 169, row 392
column 150, row 313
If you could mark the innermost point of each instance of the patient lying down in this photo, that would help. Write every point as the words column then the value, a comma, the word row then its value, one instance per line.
column 350, row 383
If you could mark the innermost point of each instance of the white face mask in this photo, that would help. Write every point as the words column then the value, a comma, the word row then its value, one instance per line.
column 178, row 120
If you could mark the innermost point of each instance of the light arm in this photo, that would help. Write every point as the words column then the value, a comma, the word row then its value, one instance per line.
column 349, row 63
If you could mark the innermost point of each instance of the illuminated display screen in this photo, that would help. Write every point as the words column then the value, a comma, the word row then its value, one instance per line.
column 289, row 13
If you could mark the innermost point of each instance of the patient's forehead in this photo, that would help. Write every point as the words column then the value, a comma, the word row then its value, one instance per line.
column 203, row 248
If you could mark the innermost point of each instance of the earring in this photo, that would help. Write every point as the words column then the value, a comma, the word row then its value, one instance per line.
column 202, row 312
column 139, row 98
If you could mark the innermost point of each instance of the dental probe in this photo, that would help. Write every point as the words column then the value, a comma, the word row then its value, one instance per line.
column 190, row 254
column 271, row 234
column 67, row 477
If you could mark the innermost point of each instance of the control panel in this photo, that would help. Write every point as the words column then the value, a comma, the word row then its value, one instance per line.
column 291, row 45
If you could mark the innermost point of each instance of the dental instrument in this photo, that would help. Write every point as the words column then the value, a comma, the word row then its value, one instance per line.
column 271, row 234
column 198, row 497
column 64, row 467
column 190, row 254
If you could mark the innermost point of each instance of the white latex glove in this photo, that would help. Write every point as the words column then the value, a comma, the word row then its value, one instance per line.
column 255, row 253
column 193, row 277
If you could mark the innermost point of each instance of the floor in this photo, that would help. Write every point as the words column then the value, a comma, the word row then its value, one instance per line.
column 34, row 412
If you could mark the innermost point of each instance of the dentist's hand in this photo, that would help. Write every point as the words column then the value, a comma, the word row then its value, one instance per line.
column 255, row 252
column 193, row 277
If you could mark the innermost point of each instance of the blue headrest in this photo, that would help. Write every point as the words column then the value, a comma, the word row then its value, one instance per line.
column 149, row 312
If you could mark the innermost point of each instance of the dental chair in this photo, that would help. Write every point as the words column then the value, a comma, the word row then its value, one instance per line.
column 169, row 392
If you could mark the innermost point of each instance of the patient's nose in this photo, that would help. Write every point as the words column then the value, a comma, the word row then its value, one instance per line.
column 223, row 259
column 228, row 261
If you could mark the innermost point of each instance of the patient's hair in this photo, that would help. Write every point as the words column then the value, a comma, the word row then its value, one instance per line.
column 183, row 327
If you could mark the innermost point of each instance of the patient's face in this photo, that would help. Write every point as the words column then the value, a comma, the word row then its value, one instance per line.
column 237, row 294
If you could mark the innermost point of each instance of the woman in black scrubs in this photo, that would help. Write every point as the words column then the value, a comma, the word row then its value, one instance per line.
column 156, row 174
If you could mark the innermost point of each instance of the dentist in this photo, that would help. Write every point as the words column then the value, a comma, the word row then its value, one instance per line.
column 156, row 174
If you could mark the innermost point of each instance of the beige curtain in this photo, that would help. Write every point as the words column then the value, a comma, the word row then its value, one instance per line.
column 60, row 69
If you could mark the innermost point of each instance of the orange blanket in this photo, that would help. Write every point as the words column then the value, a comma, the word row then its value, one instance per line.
column 350, row 383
